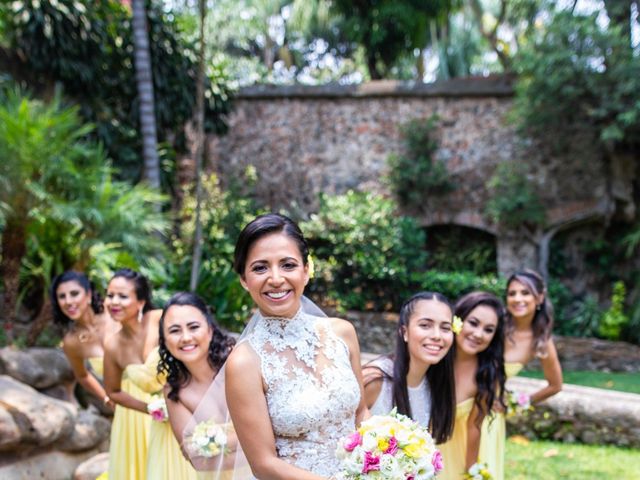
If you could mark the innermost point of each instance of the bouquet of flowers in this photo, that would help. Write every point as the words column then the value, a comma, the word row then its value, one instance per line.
column 389, row 447
column 208, row 439
column 518, row 403
column 478, row 471
column 157, row 408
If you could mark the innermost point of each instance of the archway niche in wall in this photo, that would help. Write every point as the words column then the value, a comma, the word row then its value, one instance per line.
column 455, row 248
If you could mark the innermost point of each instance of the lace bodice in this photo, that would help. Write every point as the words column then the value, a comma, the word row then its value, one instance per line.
column 419, row 397
column 312, row 392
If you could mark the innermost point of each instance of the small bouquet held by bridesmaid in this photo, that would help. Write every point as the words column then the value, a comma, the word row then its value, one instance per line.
column 157, row 408
column 518, row 403
column 208, row 439
column 389, row 447
column 478, row 471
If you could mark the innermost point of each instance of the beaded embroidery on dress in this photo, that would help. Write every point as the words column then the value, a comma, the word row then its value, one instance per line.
column 312, row 392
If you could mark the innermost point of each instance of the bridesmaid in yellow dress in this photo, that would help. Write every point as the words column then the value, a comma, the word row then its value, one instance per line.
column 480, row 378
column 78, row 308
column 192, row 351
column 164, row 458
column 528, row 327
column 129, row 303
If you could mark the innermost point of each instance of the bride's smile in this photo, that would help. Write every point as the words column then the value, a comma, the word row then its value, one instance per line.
column 275, row 275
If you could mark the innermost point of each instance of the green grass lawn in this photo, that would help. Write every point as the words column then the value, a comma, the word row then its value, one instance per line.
column 552, row 460
column 623, row 382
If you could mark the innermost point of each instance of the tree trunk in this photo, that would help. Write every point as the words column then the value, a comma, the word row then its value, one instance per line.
column 144, row 80
column 43, row 319
column 14, row 247
column 197, row 237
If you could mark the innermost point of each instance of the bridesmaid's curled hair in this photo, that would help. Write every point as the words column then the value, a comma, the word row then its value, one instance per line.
column 490, row 375
column 219, row 348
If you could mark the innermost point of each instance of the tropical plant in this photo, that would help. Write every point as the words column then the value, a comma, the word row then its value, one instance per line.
column 87, row 48
column 389, row 29
column 63, row 208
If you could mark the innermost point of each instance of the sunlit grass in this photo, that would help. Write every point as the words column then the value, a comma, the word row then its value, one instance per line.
column 623, row 382
column 542, row 460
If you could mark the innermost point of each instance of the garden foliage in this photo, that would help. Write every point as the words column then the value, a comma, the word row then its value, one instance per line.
column 87, row 47
column 61, row 206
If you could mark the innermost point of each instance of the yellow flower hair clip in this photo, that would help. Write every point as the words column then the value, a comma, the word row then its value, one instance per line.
column 311, row 269
column 456, row 324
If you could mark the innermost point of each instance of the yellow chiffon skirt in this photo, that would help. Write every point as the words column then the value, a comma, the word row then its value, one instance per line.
column 165, row 459
column 494, row 434
column 129, row 437
column 454, row 450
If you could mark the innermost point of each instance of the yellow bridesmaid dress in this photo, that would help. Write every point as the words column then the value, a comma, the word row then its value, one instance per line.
column 129, row 433
column 454, row 450
column 164, row 459
column 494, row 434
column 97, row 366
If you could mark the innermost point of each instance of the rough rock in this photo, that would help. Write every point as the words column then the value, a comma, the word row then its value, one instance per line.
column 42, row 420
column 49, row 465
column 88, row 432
column 37, row 367
column 92, row 468
column 593, row 415
column 9, row 431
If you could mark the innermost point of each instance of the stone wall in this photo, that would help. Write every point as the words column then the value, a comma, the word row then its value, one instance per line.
column 307, row 140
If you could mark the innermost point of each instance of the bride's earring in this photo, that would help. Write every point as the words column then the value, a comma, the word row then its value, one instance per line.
column 140, row 316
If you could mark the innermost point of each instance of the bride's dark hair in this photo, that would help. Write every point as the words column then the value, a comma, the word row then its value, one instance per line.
column 219, row 348
column 262, row 226
column 490, row 376
column 440, row 377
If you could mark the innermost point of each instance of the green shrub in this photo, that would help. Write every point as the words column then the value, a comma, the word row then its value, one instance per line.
column 416, row 176
column 514, row 201
column 614, row 319
column 365, row 251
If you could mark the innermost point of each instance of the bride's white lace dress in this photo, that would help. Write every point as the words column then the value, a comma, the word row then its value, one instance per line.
column 312, row 392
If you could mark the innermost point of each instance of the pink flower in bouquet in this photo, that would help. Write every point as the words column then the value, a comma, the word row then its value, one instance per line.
column 157, row 415
column 410, row 477
column 392, row 449
column 523, row 399
column 354, row 440
column 371, row 463
column 437, row 462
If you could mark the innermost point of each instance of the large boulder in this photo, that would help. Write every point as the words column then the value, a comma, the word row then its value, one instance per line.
column 41, row 420
column 92, row 468
column 37, row 367
column 588, row 415
column 9, row 432
column 47, row 464
column 88, row 432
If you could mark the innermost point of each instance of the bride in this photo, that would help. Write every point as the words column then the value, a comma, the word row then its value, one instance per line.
column 293, row 384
